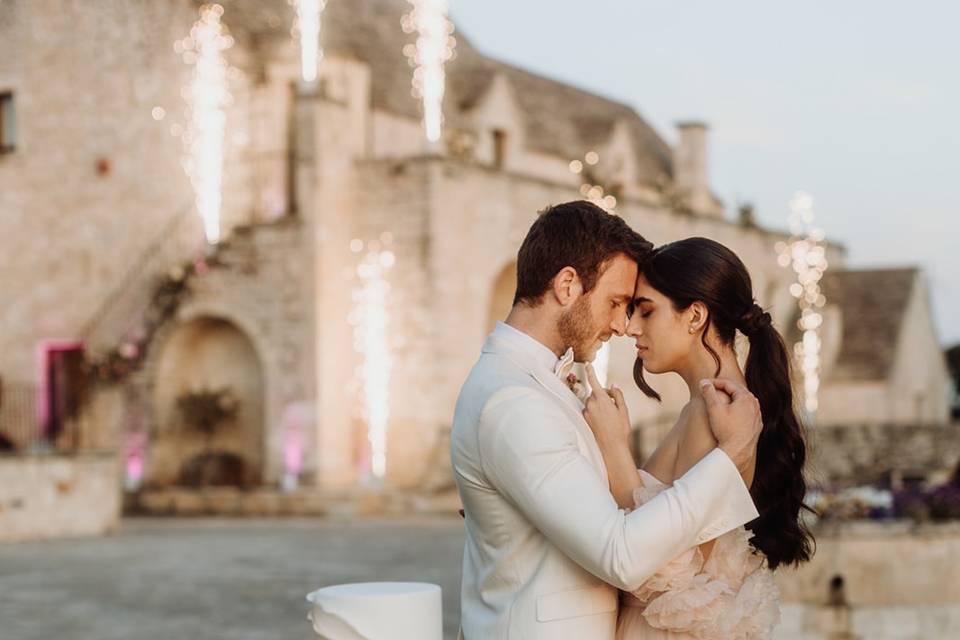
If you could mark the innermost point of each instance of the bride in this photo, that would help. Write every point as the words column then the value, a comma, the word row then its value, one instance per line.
column 691, row 298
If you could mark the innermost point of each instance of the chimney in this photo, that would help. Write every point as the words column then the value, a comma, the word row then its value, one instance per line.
column 690, row 167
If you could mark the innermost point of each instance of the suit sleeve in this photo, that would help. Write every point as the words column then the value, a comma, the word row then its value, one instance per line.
column 529, row 452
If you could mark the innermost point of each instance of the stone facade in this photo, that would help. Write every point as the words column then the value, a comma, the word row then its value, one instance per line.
column 88, row 196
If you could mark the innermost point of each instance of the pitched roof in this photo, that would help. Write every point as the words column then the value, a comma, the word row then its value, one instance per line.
column 873, row 304
column 559, row 119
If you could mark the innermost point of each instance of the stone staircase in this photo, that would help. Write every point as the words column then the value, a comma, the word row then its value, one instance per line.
column 119, row 334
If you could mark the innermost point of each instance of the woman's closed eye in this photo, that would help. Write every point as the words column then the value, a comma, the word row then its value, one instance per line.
column 644, row 310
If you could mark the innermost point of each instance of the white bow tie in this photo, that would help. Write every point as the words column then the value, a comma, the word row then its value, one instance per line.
column 564, row 365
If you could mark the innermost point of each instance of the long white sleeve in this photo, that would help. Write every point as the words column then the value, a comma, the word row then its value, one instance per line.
column 528, row 449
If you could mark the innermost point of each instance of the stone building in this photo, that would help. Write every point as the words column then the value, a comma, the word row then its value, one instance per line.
column 883, row 362
column 102, row 249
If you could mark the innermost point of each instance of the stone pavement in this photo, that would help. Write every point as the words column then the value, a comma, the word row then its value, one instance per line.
column 214, row 578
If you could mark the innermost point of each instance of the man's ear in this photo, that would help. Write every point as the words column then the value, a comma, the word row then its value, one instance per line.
column 566, row 286
column 699, row 314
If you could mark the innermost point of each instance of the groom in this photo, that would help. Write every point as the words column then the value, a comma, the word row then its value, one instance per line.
column 546, row 545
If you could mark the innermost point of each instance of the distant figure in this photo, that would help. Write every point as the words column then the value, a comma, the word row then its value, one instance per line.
column 837, row 624
column 837, row 596
column 6, row 444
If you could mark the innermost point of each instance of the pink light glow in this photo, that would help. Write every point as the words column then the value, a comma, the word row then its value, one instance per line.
column 292, row 452
column 296, row 418
column 136, row 446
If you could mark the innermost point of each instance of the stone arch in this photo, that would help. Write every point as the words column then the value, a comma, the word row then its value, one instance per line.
column 207, row 352
column 501, row 295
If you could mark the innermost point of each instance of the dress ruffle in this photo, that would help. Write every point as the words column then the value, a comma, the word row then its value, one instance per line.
column 730, row 596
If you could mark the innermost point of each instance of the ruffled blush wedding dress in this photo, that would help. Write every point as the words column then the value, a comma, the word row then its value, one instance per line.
column 730, row 595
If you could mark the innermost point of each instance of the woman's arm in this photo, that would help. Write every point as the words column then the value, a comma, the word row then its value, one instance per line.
column 610, row 423
column 622, row 474
column 695, row 442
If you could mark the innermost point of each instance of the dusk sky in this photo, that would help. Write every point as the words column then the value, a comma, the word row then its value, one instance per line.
column 855, row 102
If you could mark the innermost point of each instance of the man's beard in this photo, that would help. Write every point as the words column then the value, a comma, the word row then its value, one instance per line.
column 576, row 330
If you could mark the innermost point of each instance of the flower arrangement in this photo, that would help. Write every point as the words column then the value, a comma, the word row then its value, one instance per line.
column 856, row 503
column 937, row 504
column 169, row 292
column 576, row 386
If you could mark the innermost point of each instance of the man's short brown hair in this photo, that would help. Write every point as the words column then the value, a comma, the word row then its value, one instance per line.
column 575, row 234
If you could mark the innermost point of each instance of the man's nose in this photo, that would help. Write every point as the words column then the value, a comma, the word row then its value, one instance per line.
column 619, row 324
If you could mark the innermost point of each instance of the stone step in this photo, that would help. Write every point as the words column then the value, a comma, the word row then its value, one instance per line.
column 229, row 501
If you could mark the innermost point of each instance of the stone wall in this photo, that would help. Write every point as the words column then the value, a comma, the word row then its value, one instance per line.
column 58, row 496
column 94, row 177
column 899, row 581
column 869, row 454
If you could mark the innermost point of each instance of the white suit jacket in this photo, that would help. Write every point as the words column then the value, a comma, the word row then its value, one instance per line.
column 546, row 545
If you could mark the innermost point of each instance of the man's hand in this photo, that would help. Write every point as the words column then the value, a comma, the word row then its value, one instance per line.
column 734, row 415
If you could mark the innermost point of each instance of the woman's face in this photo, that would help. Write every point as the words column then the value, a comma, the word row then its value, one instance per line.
column 662, row 334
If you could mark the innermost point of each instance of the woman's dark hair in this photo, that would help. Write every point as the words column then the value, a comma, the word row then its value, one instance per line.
column 701, row 270
column 575, row 234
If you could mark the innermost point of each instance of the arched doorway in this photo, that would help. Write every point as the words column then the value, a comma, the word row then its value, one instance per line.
column 208, row 397
column 501, row 296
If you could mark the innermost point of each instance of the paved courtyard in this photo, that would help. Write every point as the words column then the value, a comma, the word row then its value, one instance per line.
column 213, row 579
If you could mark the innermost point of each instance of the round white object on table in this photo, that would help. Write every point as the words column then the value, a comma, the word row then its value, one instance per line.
column 378, row 611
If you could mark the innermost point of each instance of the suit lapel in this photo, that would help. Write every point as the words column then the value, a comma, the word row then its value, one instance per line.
column 588, row 442
column 559, row 390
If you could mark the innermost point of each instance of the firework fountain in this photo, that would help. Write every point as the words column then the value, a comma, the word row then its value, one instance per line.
column 434, row 47
column 370, row 318
column 207, row 97
column 806, row 254
column 307, row 31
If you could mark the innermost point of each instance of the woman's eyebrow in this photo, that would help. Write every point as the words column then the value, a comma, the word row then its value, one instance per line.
column 641, row 299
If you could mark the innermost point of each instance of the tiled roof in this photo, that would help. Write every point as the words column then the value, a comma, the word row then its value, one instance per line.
column 872, row 303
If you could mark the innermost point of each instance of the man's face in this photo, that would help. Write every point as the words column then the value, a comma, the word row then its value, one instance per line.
column 602, row 312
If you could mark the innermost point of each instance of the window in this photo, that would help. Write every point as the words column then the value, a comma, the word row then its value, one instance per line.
column 8, row 122
column 499, row 148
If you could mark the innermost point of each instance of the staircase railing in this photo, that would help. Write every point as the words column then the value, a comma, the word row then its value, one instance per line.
column 19, row 427
column 122, row 309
